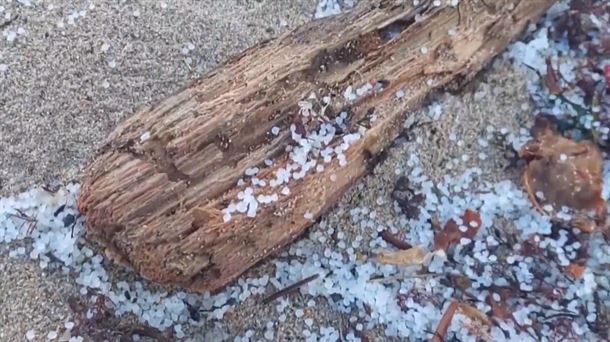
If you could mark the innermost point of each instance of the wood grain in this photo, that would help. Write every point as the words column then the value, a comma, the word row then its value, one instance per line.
column 156, row 204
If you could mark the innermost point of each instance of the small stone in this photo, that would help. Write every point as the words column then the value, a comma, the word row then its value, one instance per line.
column 10, row 36
column 144, row 137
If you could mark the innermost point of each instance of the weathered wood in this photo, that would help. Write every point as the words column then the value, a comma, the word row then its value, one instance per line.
column 156, row 202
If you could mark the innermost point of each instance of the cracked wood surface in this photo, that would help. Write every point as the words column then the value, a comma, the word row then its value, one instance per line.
column 155, row 203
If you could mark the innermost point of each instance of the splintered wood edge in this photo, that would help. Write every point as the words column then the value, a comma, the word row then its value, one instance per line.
column 154, row 195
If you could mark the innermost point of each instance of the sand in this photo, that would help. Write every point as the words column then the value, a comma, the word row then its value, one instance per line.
column 65, row 88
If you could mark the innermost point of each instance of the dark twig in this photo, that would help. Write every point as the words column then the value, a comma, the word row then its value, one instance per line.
column 436, row 335
column 145, row 331
column 445, row 321
column 394, row 240
column 289, row 289
column 32, row 221
column 560, row 314
column 50, row 189
column 8, row 22
column 59, row 210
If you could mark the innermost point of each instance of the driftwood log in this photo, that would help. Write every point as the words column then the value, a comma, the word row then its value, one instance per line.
column 154, row 195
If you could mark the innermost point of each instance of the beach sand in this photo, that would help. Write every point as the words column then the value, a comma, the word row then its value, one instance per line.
column 65, row 88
